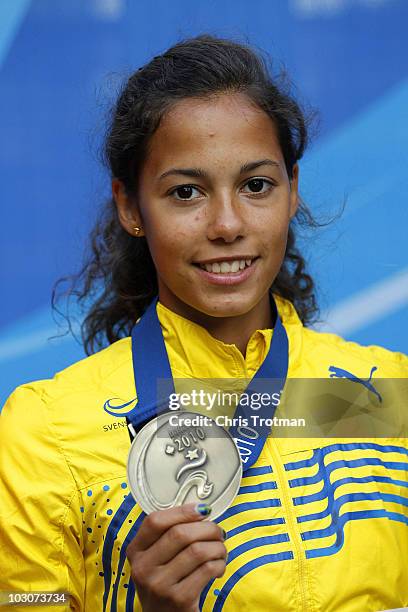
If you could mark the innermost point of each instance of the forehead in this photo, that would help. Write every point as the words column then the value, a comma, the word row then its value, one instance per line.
column 225, row 126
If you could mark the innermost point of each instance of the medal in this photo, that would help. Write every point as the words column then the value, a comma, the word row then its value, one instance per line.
column 172, row 462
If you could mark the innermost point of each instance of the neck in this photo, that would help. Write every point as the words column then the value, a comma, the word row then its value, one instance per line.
column 238, row 330
column 231, row 330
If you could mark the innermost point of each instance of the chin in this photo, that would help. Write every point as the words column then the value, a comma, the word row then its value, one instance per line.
column 226, row 307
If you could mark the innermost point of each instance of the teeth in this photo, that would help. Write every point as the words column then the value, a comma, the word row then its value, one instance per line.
column 230, row 267
column 225, row 267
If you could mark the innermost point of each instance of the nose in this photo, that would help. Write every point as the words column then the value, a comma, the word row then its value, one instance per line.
column 226, row 221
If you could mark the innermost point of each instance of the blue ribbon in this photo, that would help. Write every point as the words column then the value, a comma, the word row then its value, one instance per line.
column 151, row 363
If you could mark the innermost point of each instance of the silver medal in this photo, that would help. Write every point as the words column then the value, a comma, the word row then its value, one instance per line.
column 182, row 457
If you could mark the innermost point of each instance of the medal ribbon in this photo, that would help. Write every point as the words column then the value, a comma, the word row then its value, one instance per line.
column 147, row 339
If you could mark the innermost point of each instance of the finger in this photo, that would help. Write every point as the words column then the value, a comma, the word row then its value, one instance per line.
column 179, row 537
column 194, row 556
column 157, row 523
column 160, row 580
column 188, row 590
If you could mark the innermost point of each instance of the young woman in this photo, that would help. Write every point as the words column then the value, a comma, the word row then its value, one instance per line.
column 203, row 150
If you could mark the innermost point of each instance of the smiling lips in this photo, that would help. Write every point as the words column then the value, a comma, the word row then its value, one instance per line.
column 223, row 267
column 227, row 272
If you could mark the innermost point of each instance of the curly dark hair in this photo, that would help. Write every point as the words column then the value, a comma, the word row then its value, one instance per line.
column 118, row 281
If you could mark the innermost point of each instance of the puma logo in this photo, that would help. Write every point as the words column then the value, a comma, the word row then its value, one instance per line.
column 340, row 373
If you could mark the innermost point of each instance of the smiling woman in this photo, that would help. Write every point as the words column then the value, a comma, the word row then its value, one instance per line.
column 195, row 279
column 217, row 244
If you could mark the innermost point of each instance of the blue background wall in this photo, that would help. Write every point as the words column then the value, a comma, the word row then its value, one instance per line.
column 60, row 64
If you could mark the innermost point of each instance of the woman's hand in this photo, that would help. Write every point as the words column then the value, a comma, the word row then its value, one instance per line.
column 173, row 556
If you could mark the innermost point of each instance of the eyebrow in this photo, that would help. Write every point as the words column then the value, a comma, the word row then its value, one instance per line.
column 200, row 173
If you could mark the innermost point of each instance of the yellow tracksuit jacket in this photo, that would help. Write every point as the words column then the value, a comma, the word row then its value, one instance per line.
column 317, row 526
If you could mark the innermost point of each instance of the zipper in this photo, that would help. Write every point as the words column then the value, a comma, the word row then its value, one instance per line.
column 293, row 530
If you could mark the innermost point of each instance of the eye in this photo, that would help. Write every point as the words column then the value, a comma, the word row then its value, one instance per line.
column 184, row 191
column 256, row 185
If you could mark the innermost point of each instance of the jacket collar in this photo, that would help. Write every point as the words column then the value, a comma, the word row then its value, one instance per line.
column 194, row 352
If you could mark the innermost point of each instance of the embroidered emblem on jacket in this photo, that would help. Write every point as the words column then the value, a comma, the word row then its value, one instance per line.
column 119, row 410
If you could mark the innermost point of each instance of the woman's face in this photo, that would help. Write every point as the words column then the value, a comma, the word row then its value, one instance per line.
column 213, row 190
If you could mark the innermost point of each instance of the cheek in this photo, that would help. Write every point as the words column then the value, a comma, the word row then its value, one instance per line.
column 168, row 248
column 274, row 231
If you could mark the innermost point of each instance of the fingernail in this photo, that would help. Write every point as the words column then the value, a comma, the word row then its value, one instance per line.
column 203, row 509
column 224, row 533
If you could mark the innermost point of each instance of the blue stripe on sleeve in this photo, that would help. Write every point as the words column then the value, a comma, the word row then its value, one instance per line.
column 262, row 486
column 255, row 505
column 122, row 557
column 256, row 471
column 111, row 534
column 243, row 571
column 383, row 448
column 254, row 525
column 350, row 516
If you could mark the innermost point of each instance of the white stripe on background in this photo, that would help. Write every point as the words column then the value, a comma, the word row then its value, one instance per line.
column 12, row 13
column 32, row 342
column 368, row 306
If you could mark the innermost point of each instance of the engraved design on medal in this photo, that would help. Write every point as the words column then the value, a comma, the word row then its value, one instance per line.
column 172, row 465
column 193, row 454
column 197, row 478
